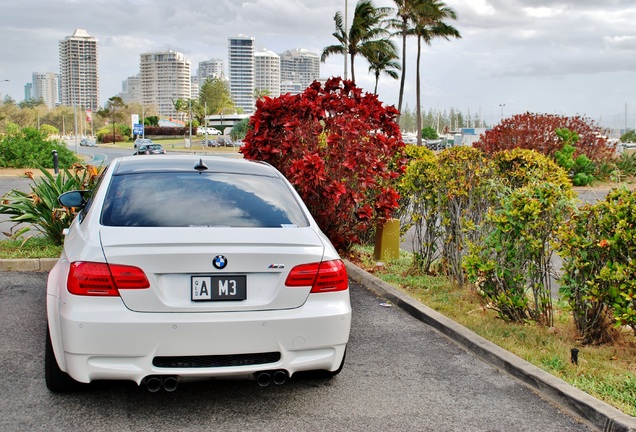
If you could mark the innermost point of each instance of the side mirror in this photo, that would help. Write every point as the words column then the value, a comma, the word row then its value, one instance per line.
column 73, row 198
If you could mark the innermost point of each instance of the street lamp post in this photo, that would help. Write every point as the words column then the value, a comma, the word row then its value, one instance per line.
column 502, row 107
column 4, row 80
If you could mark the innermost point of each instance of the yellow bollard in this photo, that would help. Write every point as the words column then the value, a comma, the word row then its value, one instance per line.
column 387, row 241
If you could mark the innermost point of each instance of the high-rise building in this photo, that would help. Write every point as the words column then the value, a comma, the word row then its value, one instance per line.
column 45, row 88
column 79, row 70
column 299, row 68
column 28, row 91
column 267, row 72
column 241, row 71
column 165, row 77
column 211, row 68
column 131, row 89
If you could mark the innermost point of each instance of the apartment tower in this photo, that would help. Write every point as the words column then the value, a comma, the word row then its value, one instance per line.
column 267, row 73
column 299, row 68
column 45, row 88
column 165, row 78
column 79, row 77
column 241, row 71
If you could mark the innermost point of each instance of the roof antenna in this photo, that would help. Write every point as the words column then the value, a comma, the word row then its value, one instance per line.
column 200, row 166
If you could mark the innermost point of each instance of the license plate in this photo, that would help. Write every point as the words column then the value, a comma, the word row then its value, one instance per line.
column 219, row 288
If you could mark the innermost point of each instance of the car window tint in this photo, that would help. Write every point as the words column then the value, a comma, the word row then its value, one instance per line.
column 195, row 200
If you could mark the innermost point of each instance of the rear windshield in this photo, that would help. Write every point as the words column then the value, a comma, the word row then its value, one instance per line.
column 200, row 200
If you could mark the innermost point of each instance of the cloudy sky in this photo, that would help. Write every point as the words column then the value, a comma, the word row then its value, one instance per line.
column 575, row 57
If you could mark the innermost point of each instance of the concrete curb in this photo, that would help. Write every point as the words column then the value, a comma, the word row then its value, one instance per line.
column 24, row 264
column 594, row 412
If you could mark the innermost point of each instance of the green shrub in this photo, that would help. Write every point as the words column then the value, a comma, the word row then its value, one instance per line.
column 420, row 206
column 40, row 207
column 511, row 268
column 599, row 281
column 581, row 168
column 519, row 167
column 30, row 148
column 466, row 193
column 626, row 164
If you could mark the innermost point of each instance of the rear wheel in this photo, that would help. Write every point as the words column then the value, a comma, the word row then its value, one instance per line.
column 57, row 380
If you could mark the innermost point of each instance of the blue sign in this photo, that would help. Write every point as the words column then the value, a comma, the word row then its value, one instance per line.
column 138, row 129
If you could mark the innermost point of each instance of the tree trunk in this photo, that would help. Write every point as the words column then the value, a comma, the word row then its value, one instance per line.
column 418, row 105
column 403, row 74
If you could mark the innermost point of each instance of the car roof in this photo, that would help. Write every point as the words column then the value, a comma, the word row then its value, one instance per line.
column 186, row 163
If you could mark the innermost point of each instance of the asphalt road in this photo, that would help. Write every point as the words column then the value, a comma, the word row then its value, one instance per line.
column 400, row 375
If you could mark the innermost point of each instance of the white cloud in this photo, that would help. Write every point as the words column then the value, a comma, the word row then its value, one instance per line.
column 570, row 56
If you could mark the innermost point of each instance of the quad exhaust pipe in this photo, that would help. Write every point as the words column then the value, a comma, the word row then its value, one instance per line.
column 265, row 378
column 155, row 383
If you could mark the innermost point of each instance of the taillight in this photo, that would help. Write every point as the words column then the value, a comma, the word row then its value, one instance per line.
column 326, row 276
column 101, row 279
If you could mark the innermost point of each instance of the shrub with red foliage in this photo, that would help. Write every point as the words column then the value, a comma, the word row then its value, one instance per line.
column 536, row 132
column 340, row 148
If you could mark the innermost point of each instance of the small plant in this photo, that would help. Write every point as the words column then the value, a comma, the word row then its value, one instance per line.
column 581, row 168
column 40, row 208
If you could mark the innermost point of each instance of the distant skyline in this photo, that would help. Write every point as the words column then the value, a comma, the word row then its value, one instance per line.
column 575, row 57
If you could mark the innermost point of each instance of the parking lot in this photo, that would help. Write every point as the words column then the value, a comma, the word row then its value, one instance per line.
column 400, row 374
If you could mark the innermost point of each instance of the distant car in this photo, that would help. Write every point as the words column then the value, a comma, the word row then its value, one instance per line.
column 209, row 143
column 213, row 131
column 225, row 142
column 193, row 267
column 142, row 141
column 150, row 149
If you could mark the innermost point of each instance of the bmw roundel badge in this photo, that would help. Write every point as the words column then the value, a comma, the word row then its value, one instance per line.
column 219, row 262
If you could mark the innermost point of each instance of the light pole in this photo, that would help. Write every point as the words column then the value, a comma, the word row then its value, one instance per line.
column 502, row 107
column 77, row 58
column 4, row 80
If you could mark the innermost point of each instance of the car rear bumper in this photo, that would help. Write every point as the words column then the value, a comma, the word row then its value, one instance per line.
column 110, row 342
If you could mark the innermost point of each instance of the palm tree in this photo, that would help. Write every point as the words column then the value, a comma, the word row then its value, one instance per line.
column 366, row 36
column 261, row 93
column 403, row 23
column 385, row 62
column 428, row 17
column 181, row 107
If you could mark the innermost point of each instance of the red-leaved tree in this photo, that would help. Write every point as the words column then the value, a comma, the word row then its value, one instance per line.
column 537, row 132
column 340, row 148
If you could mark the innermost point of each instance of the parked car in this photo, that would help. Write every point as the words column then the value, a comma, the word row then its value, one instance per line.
column 87, row 142
column 142, row 141
column 224, row 142
column 209, row 143
column 150, row 149
column 190, row 267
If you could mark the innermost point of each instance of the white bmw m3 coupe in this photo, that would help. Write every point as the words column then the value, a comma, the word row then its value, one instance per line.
column 185, row 268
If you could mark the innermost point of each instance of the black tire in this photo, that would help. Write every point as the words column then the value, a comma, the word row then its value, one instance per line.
column 57, row 380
